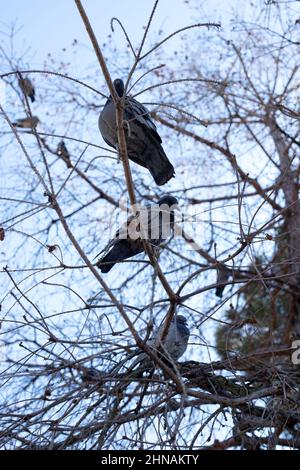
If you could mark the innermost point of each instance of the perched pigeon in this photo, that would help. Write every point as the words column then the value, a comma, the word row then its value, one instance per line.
column 27, row 87
column 27, row 123
column 154, row 223
column 172, row 347
column 63, row 152
column 143, row 142
column 223, row 275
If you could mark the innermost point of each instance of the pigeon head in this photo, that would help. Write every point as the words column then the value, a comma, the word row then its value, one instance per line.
column 182, row 326
column 119, row 87
column 170, row 201
column 180, row 319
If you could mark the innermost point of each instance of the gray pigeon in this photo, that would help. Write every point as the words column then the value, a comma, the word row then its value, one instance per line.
column 27, row 123
column 172, row 347
column 143, row 142
column 27, row 87
column 154, row 223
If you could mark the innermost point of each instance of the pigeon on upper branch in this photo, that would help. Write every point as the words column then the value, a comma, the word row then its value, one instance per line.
column 143, row 141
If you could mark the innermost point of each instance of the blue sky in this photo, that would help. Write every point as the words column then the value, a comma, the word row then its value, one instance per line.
column 49, row 25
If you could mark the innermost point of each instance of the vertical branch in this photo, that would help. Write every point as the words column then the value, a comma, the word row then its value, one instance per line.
column 117, row 101
column 119, row 104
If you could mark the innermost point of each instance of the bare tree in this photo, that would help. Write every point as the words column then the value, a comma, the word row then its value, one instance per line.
column 227, row 109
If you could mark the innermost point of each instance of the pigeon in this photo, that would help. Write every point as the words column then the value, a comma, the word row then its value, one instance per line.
column 172, row 347
column 63, row 152
column 154, row 223
column 223, row 275
column 27, row 123
column 143, row 141
column 27, row 87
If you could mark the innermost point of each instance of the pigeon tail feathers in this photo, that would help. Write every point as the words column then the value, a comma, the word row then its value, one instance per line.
column 159, row 166
column 121, row 250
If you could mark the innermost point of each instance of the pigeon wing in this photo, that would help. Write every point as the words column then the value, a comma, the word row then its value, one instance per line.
column 138, row 113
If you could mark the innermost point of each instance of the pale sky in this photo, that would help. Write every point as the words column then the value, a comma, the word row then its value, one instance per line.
column 47, row 26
